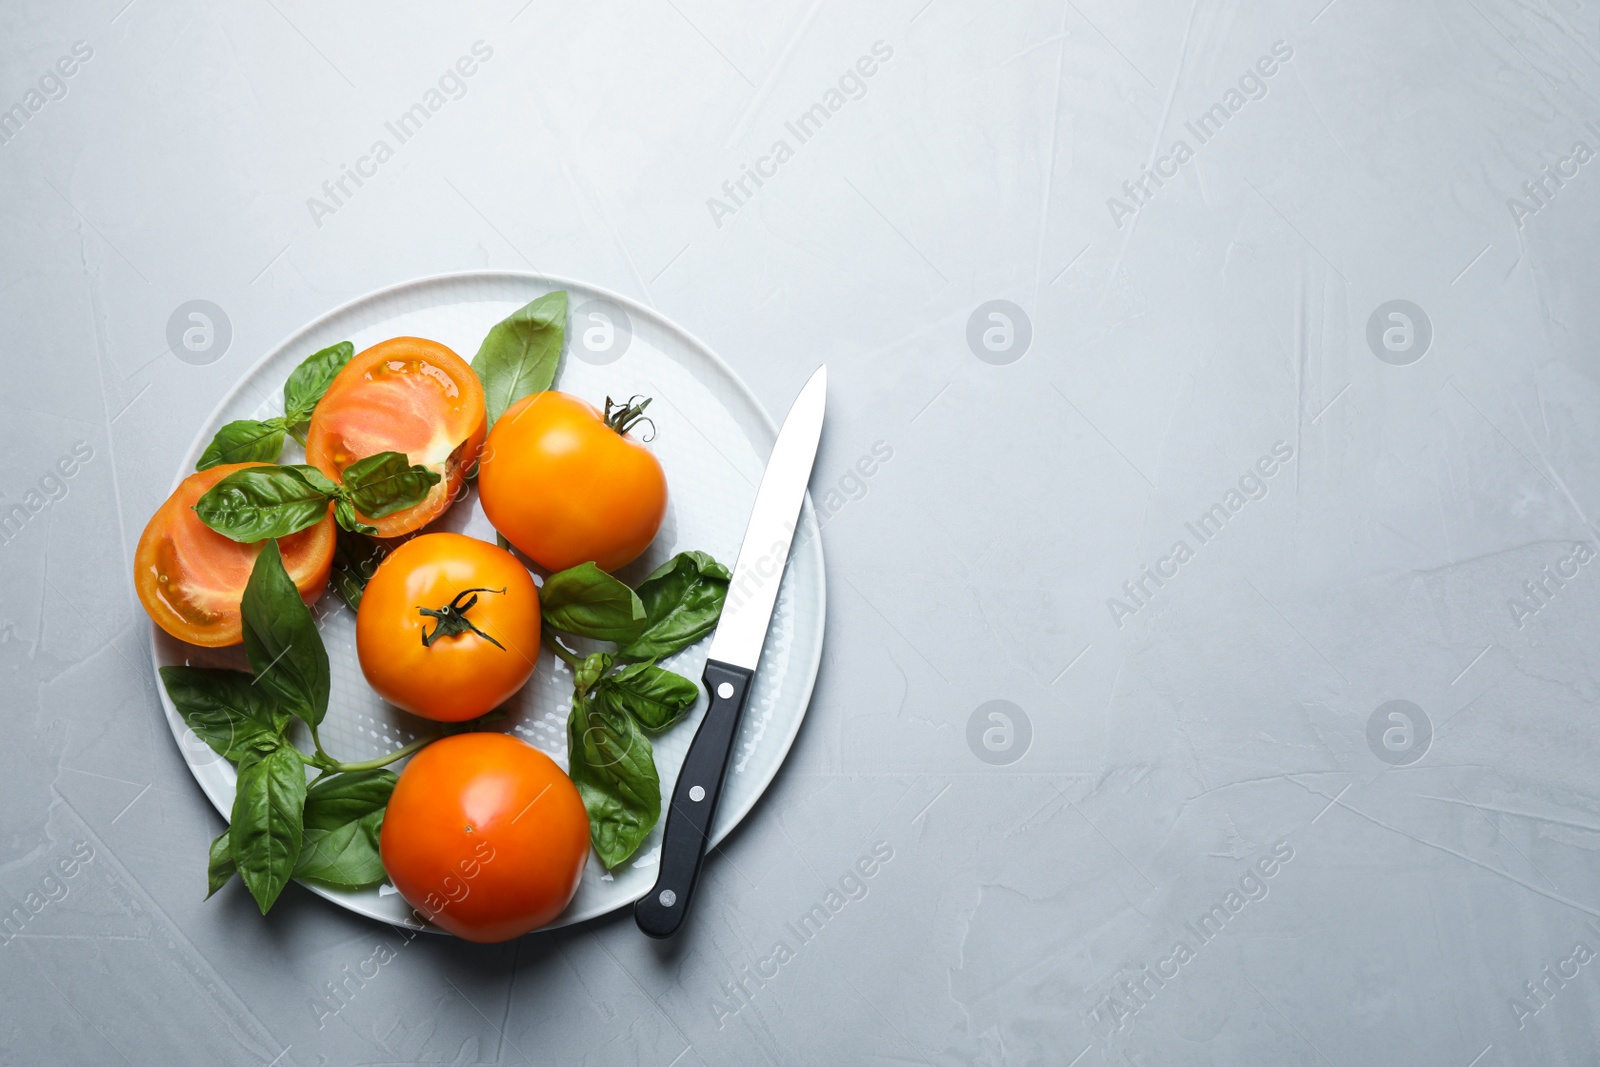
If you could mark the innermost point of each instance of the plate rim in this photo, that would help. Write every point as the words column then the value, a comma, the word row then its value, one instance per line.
column 633, row 307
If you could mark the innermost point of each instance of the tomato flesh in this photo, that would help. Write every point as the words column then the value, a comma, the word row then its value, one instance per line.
column 190, row 578
column 410, row 395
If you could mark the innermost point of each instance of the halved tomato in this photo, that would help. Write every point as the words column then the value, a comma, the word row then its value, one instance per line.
column 190, row 578
column 410, row 395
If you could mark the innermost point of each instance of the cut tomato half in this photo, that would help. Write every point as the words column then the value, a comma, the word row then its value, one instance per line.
column 409, row 395
column 190, row 578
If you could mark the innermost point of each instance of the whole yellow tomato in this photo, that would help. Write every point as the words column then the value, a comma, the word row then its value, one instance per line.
column 567, row 484
column 448, row 627
column 485, row 836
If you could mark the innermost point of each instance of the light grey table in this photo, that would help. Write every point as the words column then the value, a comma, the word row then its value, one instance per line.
column 1224, row 377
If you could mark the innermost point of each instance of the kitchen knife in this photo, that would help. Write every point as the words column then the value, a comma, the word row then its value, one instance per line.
column 731, row 665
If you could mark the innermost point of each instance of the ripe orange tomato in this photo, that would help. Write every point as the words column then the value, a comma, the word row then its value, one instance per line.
column 485, row 836
column 568, row 485
column 448, row 627
column 190, row 578
column 410, row 395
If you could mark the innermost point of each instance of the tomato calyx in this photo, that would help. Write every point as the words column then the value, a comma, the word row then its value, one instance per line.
column 451, row 619
column 624, row 417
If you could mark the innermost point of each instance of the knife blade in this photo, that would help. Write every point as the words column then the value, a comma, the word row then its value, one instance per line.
column 735, row 654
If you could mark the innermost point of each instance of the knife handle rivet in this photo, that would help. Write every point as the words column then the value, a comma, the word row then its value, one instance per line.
column 696, row 794
column 668, row 898
column 725, row 690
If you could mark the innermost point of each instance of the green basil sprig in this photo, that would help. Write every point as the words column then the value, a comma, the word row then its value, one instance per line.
column 223, row 708
column 261, row 440
column 244, row 441
column 281, row 640
column 615, row 701
column 355, row 561
column 265, row 830
column 343, row 816
column 220, row 866
column 385, row 483
column 280, row 829
column 590, row 671
column 520, row 355
column 306, row 386
column 610, row 761
column 682, row 601
column 269, row 502
column 587, row 602
column 262, row 502
column 656, row 698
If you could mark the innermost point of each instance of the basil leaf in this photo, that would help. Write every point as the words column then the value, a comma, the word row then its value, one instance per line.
column 244, row 441
column 682, row 600
column 265, row 832
column 346, row 858
column 656, row 698
column 586, row 601
column 592, row 669
column 339, row 799
column 316, row 479
column 261, row 502
column 385, row 483
column 343, row 818
column 520, row 355
column 610, row 761
column 281, row 640
column 346, row 584
column 344, row 513
column 307, row 384
column 355, row 561
column 220, row 867
column 224, row 708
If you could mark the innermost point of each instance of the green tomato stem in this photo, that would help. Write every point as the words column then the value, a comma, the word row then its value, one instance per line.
column 624, row 417
column 451, row 619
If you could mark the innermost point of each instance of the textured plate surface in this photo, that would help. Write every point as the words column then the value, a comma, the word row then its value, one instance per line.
column 713, row 439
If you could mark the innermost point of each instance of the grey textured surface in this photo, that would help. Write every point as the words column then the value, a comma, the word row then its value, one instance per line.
column 1432, row 896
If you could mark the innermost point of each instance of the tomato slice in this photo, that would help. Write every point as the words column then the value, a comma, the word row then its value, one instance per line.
column 190, row 578
column 410, row 395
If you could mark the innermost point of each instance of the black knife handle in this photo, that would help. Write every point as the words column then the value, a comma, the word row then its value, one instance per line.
column 660, row 912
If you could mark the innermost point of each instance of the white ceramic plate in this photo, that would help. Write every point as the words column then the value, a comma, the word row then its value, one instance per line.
column 712, row 437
